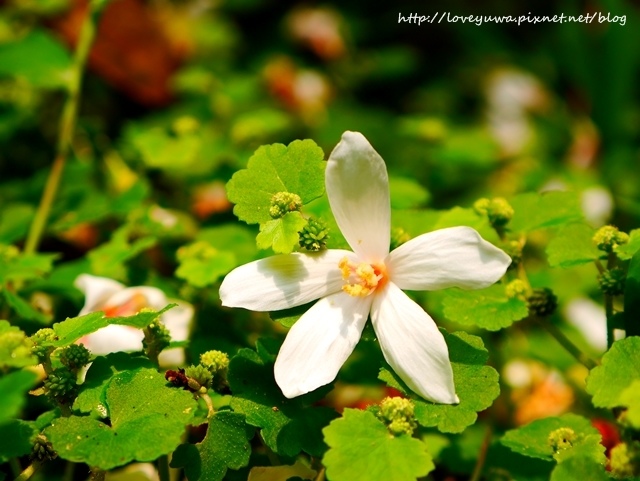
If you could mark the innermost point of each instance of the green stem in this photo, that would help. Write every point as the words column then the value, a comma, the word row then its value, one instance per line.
column 207, row 399
column 29, row 471
column 482, row 455
column 163, row 468
column 65, row 133
column 608, row 305
column 564, row 341
column 320, row 476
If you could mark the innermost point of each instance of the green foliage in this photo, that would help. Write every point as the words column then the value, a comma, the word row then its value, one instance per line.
column 288, row 426
column 536, row 211
column 626, row 251
column 72, row 329
column 38, row 58
column 407, row 193
column 15, row 347
column 632, row 297
column 108, row 260
column 488, row 308
column 572, row 246
column 297, row 168
column 361, row 449
column 542, row 439
column 579, row 468
column 476, row 386
column 224, row 447
column 620, row 368
column 14, row 387
column 201, row 264
column 141, row 408
column 281, row 234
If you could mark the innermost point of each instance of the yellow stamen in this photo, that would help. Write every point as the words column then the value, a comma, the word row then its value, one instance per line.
column 362, row 279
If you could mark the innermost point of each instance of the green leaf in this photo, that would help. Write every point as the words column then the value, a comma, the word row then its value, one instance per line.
column 572, row 245
column 16, row 439
column 273, row 473
column 22, row 308
column 297, row 168
column 147, row 418
column 92, row 398
column 201, row 264
column 536, row 211
column 14, row 387
column 620, row 368
column 632, row 297
column 488, row 308
column 630, row 398
column 288, row 425
column 39, row 58
column 476, row 386
column 406, row 193
column 236, row 238
column 362, row 449
column 15, row 220
column 628, row 250
column 281, row 234
column 533, row 439
column 225, row 446
column 15, row 347
column 24, row 267
column 72, row 329
column 108, row 259
column 288, row 317
column 160, row 150
column 580, row 468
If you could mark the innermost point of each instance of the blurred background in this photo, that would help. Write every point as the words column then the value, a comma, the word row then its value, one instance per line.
column 178, row 94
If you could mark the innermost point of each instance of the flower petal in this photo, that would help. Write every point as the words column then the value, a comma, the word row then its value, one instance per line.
column 96, row 290
column 454, row 257
column 113, row 338
column 358, row 190
column 413, row 345
column 284, row 281
column 320, row 342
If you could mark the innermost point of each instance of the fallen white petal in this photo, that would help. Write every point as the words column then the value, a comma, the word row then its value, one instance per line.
column 96, row 290
column 320, row 342
column 412, row 345
column 284, row 281
column 358, row 190
column 453, row 257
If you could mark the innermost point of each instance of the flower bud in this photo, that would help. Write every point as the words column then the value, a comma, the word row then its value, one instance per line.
column 612, row 281
column 75, row 356
column 498, row 210
column 608, row 237
column 562, row 438
column 156, row 338
column 516, row 289
column 284, row 202
column 42, row 449
column 542, row 302
column 625, row 460
column 200, row 374
column 61, row 384
column 397, row 413
column 39, row 338
column 314, row 235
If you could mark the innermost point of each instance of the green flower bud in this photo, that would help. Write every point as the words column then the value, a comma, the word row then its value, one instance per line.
column 481, row 206
column 43, row 335
column 398, row 237
column 500, row 212
column 542, row 302
column 314, row 235
column 562, row 438
column 200, row 375
column 612, row 281
column 516, row 289
column 42, row 449
column 397, row 413
column 624, row 460
column 75, row 356
column 608, row 237
column 156, row 338
column 215, row 361
column 61, row 384
column 284, row 202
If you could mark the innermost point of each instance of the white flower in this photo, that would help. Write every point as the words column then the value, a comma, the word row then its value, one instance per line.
column 103, row 294
column 368, row 281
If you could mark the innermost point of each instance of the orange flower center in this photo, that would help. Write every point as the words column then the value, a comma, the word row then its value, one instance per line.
column 137, row 302
column 362, row 279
